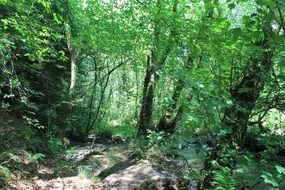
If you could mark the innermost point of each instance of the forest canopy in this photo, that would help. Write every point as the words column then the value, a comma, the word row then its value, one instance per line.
column 157, row 77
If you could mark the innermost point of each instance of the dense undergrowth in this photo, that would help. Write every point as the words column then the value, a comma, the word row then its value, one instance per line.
column 166, row 80
column 258, row 164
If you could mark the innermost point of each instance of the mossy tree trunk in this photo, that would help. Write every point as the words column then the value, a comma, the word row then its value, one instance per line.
column 171, row 116
column 244, row 96
column 155, row 61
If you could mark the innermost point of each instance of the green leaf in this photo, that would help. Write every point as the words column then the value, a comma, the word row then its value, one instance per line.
column 3, row 1
column 280, row 169
column 268, row 3
column 231, row 6
column 269, row 179
column 236, row 33
column 281, row 77
column 4, row 171
column 257, row 36
column 244, row 90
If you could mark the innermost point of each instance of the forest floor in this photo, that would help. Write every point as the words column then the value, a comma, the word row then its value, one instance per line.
column 118, row 167
column 104, row 166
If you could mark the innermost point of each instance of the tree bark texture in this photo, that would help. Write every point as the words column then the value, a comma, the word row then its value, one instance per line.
column 148, row 96
column 245, row 94
column 171, row 116
column 156, row 61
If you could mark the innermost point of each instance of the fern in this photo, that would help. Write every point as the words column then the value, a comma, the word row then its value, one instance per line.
column 4, row 172
column 223, row 179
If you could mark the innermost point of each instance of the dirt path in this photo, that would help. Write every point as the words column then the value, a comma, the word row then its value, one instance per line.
column 46, row 181
column 115, row 165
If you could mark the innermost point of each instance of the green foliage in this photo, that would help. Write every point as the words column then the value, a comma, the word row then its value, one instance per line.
column 65, row 168
column 55, row 145
column 120, row 133
column 19, row 162
column 274, row 180
column 85, row 171
column 280, row 170
column 157, row 144
column 70, row 151
column 269, row 179
column 34, row 60
column 35, row 158
column 4, row 172
column 229, row 56
column 223, row 179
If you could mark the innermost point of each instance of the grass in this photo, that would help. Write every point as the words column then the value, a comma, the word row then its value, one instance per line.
column 85, row 171
column 113, row 132
column 70, row 151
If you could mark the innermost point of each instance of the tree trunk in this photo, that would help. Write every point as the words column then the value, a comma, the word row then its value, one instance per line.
column 103, row 85
column 68, row 34
column 157, row 59
column 244, row 97
column 169, row 119
column 148, row 96
column 245, row 94
column 72, row 69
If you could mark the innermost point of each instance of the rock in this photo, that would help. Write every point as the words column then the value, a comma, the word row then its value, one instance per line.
column 133, row 177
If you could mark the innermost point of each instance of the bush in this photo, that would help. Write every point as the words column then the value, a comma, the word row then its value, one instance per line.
column 55, row 145
column 118, row 133
column 157, row 143
column 223, row 179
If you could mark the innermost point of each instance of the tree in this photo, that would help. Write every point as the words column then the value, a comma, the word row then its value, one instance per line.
column 160, row 50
